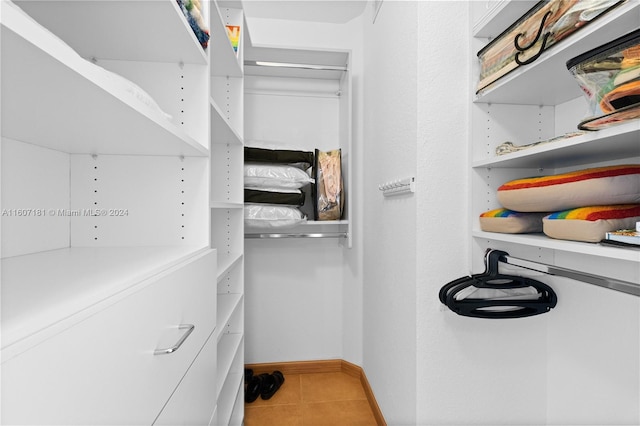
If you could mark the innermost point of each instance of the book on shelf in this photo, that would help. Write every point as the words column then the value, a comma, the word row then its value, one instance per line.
column 628, row 236
column 233, row 32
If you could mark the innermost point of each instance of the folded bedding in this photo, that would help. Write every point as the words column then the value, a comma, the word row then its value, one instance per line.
column 275, row 176
column 299, row 159
column 295, row 198
column 267, row 216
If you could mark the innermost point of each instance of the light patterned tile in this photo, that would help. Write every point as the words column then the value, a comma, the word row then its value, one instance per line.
column 337, row 413
column 331, row 387
column 273, row 415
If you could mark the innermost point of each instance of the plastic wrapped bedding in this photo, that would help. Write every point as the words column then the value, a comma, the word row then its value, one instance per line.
column 266, row 216
column 275, row 176
column 329, row 190
column 609, row 77
column 546, row 24
column 129, row 91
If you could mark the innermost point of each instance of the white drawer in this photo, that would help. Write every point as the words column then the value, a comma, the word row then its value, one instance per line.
column 103, row 370
column 194, row 401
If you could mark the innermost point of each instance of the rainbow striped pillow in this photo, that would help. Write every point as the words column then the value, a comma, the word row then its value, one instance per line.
column 590, row 223
column 511, row 222
column 588, row 187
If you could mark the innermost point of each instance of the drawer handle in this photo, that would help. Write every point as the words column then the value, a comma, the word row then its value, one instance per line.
column 172, row 349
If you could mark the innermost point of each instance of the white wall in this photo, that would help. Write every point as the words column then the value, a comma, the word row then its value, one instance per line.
column 578, row 364
column 314, row 309
column 469, row 371
column 390, row 132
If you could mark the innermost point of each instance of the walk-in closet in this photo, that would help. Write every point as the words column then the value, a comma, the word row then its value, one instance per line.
column 320, row 212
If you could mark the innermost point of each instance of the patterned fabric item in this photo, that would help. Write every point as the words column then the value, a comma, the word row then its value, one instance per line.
column 588, row 187
column 594, row 213
column 608, row 77
column 591, row 223
column 539, row 29
column 510, row 222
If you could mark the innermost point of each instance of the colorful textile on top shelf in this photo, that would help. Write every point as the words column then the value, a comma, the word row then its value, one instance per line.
column 576, row 176
column 538, row 30
column 587, row 187
column 192, row 10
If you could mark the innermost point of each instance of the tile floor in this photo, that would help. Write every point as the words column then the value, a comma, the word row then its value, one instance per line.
column 313, row 399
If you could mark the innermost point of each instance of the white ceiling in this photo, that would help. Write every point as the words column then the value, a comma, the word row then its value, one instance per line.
column 330, row 11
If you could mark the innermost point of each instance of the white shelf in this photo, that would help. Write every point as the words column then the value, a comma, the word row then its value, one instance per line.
column 221, row 130
column 327, row 65
column 226, row 205
column 46, row 288
column 121, row 30
column 329, row 228
column 500, row 16
column 540, row 102
column 227, row 351
column 613, row 143
column 531, row 85
column 77, row 106
column 229, row 397
column 226, row 262
column 227, row 304
column 542, row 241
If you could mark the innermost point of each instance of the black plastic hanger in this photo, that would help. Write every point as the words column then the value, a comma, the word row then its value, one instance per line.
column 502, row 307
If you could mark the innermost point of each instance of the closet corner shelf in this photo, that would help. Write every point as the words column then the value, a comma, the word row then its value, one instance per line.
column 542, row 241
column 228, row 303
column 226, row 261
column 613, row 143
column 105, row 29
column 516, row 87
column 228, row 400
column 227, row 350
column 221, row 130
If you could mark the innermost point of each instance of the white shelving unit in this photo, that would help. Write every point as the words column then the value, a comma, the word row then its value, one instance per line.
column 113, row 177
column 537, row 102
column 226, row 203
column 301, row 100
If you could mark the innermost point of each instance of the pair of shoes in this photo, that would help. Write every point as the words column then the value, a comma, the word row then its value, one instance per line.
column 248, row 374
column 263, row 385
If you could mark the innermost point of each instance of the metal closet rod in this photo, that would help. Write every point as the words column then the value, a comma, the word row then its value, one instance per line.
column 606, row 282
column 318, row 67
column 292, row 235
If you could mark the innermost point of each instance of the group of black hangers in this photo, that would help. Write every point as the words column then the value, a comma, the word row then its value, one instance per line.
column 498, row 307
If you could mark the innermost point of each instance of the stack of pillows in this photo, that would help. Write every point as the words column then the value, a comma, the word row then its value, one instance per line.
column 274, row 184
column 582, row 205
